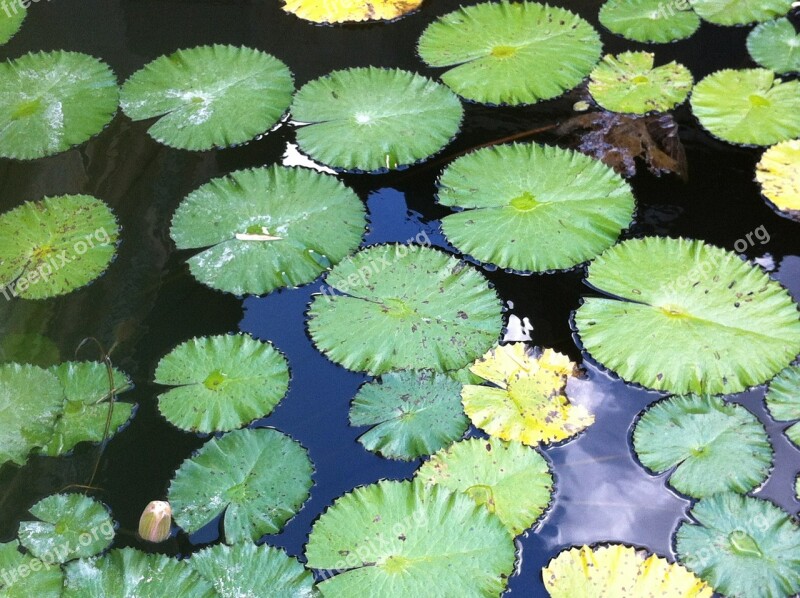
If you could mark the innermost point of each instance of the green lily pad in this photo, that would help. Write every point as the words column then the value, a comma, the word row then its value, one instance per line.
column 244, row 570
column 129, row 573
column 29, row 347
column 740, row 12
column 50, row 101
column 40, row 580
column 371, row 119
column 209, row 96
column 742, row 546
column 711, row 446
column 404, row 307
column 629, row 83
column 268, row 228
column 258, row 478
column 749, row 106
column 775, row 45
column 223, row 382
column 509, row 479
column 70, row 526
column 412, row 413
column 11, row 20
column 511, row 53
column 54, row 246
column 687, row 317
column 649, row 21
column 783, row 400
column 403, row 539
column 518, row 214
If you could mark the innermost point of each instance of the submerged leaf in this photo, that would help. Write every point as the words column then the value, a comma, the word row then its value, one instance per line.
column 42, row 581
column 778, row 173
column 344, row 11
column 783, row 400
column 775, row 45
column 740, row 12
column 654, row 21
column 11, row 18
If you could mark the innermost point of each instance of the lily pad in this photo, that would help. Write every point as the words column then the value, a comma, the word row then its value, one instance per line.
column 742, row 546
column 29, row 347
column 687, row 317
column 750, row 106
column 778, row 173
column 268, row 228
column 405, row 539
column 70, row 526
column 783, row 400
column 412, row 414
column 54, row 246
column 41, row 581
column 508, row 479
column 244, row 570
column 740, row 12
column 11, row 20
column 527, row 400
column 50, row 101
column 129, row 573
column 222, row 382
column 398, row 307
column 258, row 478
column 511, row 53
column 649, row 21
column 371, row 119
column 615, row 570
column 209, row 96
column 518, row 214
column 347, row 11
column 775, row 45
column 708, row 445
column 629, row 83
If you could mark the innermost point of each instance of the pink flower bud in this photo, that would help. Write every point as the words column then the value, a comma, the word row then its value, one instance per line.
column 155, row 523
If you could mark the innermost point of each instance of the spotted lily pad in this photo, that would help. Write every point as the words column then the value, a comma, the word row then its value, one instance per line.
column 209, row 96
column 750, row 106
column 345, row 11
column 778, row 173
column 614, row 570
column 742, row 546
column 708, row 445
column 398, row 307
column 406, row 538
column 371, row 119
column 258, row 478
column 630, row 83
column 412, row 414
column 650, row 21
column 50, row 101
column 41, row 581
column 11, row 17
column 518, row 214
column 268, row 228
column 526, row 400
column 509, row 479
column 775, row 45
column 221, row 382
column 740, row 12
column 687, row 317
column 783, row 400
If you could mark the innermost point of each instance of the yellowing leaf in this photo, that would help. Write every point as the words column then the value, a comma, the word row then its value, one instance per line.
column 527, row 402
column 778, row 172
column 342, row 11
column 616, row 570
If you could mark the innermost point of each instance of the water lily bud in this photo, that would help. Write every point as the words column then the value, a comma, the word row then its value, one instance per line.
column 156, row 521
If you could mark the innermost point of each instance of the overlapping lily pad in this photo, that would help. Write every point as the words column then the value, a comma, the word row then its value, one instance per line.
column 511, row 52
column 749, row 106
column 783, row 400
column 268, row 228
column 398, row 307
column 405, row 539
column 70, row 526
column 649, row 21
column 687, row 317
column 258, row 479
column 742, row 546
column 345, row 11
column 740, row 12
column 518, row 213
column 614, row 570
column 775, row 45
column 629, row 83
column 371, row 119
column 412, row 413
column 708, row 445
column 778, row 173
column 11, row 18
column 508, row 479
column 527, row 400
column 55, row 245
column 222, row 382
column 50, row 101
column 209, row 96
column 41, row 582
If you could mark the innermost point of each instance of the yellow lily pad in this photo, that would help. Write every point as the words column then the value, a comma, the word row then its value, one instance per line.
column 778, row 173
column 347, row 11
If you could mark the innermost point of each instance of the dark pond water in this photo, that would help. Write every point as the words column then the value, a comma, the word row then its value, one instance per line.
column 148, row 302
